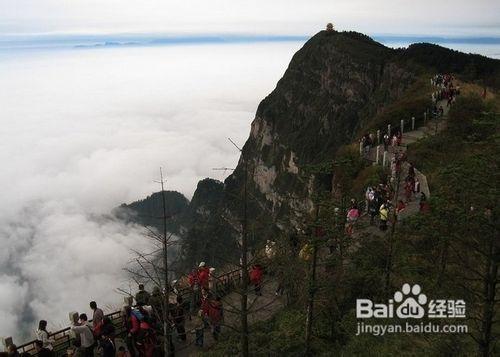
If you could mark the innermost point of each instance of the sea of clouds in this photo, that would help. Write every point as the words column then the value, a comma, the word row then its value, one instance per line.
column 83, row 130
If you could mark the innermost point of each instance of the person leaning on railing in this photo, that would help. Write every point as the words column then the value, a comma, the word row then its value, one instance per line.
column 43, row 335
column 97, row 319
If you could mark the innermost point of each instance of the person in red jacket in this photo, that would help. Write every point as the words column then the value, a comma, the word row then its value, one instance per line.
column 216, row 314
column 205, row 307
column 140, row 333
column 256, row 274
column 203, row 275
column 193, row 278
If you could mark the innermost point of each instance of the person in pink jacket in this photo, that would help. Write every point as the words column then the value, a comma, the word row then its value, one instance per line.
column 352, row 217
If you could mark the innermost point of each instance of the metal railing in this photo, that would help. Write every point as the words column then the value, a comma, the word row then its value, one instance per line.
column 63, row 338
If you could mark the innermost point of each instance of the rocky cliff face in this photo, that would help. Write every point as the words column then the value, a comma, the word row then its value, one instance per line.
column 206, row 234
column 332, row 85
column 332, row 88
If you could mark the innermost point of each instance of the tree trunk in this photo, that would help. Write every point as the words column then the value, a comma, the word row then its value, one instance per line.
column 489, row 291
column 244, row 272
column 389, row 263
column 166, row 292
column 443, row 261
column 310, row 303
column 312, row 290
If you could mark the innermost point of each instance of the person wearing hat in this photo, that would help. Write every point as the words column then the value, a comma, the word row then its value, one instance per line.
column 211, row 279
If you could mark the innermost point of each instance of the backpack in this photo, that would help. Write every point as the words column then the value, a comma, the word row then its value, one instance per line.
column 138, row 315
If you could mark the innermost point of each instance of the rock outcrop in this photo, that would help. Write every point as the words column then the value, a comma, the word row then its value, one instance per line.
column 335, row 84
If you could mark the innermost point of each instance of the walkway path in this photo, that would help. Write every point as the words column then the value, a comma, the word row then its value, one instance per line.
column 432, row 127
column 261, row 308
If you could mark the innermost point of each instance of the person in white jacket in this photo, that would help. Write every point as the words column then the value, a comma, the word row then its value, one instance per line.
column 43, row 335
column 86, row 336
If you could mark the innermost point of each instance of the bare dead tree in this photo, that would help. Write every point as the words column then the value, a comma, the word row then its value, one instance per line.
column 154, row 266
column 312, row 288
column 244, row 260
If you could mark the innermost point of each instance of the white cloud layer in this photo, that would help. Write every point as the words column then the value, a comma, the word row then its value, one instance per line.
column 83, row 131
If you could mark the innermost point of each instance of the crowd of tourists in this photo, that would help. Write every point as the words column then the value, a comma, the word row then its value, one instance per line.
column 445, row 90
column 206, row 303
column 392, row 139
column 88, row 336
column 142, row 320
column 379, row 199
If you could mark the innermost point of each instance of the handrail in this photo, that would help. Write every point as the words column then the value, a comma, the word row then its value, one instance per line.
column 63, row 337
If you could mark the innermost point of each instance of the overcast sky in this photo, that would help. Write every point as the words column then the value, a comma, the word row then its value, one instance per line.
column 305, row 17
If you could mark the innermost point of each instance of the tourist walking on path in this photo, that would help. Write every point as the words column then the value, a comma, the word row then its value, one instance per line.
column 411, row 170
column 387, row 141
column 400, row 207
column 216, row 315
column 384, row 215
column 199, row 329
column 205, row 306
column 140, row 333
column 108, row 346
column 108, row 329
column 256, row 274
column 155, row 301
column 352, row 217
column 179, row 318
column 369, row 196
column 424, row 204
column 203, row 275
